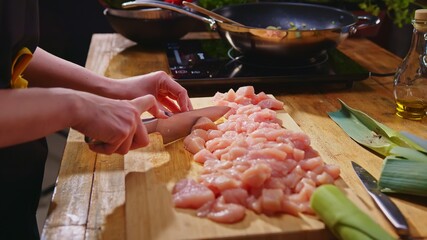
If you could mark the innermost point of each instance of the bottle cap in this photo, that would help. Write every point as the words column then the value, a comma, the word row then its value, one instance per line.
column 421, row 15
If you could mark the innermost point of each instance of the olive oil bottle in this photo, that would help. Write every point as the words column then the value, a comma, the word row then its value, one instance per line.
column 410, row 81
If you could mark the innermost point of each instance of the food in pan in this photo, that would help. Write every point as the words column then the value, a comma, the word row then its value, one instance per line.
column 250, row 162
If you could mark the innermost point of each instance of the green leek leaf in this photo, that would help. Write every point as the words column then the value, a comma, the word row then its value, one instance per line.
column 370, row 133
column 408, row 153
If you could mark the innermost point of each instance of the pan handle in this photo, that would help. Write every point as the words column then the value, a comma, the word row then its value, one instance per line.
column 365, row 21
column 169, row 6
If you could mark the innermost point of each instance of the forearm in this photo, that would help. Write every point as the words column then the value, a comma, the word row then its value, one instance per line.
column 47, row 70
column 28, row 114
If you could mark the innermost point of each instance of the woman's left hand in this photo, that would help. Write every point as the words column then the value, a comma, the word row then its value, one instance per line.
column 163, row 87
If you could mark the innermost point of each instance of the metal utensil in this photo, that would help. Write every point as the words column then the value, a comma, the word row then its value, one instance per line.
column 318, row 28
column 388, row 208
column 178, row 125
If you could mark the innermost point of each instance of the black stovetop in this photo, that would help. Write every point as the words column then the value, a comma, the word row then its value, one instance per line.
column 206, row 62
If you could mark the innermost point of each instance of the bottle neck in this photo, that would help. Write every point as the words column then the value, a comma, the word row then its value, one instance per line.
column 419, row 40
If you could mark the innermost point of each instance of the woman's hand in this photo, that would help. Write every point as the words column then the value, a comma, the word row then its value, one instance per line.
column 164, row 88
column 47, row 71
column 116, row 124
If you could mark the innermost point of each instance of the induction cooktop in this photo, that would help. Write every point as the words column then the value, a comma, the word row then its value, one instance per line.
column 206, row 62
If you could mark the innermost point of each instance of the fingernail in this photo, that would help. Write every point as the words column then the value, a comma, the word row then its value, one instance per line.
column 167, row 113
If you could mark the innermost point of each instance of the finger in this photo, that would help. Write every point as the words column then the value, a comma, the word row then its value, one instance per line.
column 175, row 91
column 148, row 103
column 169, row 104
column 140, row 139
column 103, row 148
column 127, row 142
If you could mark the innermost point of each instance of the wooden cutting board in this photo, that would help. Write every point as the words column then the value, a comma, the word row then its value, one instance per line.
column 151, row 174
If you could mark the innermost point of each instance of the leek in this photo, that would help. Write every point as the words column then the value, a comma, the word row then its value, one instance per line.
column 408, row 153
column 407, row 176
column 370, row 133
column 343, row 217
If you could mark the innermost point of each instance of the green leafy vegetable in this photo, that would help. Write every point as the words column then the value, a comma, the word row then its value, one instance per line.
column 343, row 217
column 370, row 133
column 405, row 166
column 404, row 176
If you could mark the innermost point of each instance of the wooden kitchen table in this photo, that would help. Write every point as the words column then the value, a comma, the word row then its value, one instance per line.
column 89, row 198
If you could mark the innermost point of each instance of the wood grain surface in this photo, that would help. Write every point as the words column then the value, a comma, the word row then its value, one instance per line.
column 89, row 199
column 153, row 171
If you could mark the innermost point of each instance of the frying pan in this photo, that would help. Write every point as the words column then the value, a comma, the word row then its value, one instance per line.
column 277, row 29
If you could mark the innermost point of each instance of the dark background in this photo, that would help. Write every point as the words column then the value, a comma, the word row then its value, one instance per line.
column 66, row 27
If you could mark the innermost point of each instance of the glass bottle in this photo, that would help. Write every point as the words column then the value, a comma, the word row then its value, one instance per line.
column 410, row 81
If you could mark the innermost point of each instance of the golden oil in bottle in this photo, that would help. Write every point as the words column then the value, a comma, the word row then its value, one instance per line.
column 411, row 109
column 410, row 81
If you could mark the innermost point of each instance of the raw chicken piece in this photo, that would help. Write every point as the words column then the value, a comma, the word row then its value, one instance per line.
column 214, row 165
column 235, row 195
column 265, row 115
column 332, row 170
column 256, row 175
column 204, row 123
column 311, row 163
column 271, row 200
column 203, row 155
column 190, row 194
column 218, row 143
column 213, row 134
column 251, row 161
column 259, row 97
column 200, row 133
column 324, row 178
column 290, row 207
column 219, row 182
column 234, row 153
column 246, row 91
column 271, row 104
column 222, row 212
column 193, row 143
column 267, row 153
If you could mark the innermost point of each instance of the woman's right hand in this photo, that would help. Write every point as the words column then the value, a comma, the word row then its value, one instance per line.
column 115, row 124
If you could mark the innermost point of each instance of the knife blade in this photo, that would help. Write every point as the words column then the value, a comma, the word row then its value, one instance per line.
column 388, row 208
column 177, row 125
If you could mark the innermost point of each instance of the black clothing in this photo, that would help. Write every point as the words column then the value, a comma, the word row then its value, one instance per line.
column 19, row 27
column 21, row 176
column 21, row 166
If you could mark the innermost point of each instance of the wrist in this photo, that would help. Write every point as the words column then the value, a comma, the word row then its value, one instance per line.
column 74, row 103
column 110, row 88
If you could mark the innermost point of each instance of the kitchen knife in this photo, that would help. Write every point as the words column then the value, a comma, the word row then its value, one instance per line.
column 178, row 125
column 388, row 208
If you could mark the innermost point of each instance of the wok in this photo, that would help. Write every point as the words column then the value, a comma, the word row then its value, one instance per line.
column 278, row 30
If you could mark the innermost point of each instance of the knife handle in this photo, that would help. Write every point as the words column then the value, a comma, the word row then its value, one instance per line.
column 393, row 214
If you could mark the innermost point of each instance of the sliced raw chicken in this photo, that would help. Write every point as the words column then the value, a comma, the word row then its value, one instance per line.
column 221, row 212
column 204, row 123
column 194, row 144
column 190, row 194
column 251, row 162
